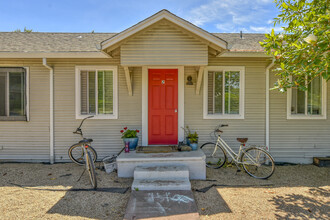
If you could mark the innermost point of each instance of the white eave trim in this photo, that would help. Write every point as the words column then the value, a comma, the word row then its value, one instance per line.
column 53, row 55
column 244, row 54
column 164, row 14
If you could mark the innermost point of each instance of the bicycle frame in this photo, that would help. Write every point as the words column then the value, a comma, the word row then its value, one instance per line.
column 85, row 146
column 231, row 153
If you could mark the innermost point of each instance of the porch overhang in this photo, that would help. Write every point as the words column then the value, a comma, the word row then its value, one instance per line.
column 207, row 38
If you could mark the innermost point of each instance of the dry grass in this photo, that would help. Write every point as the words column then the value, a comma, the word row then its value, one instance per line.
column 39, row 191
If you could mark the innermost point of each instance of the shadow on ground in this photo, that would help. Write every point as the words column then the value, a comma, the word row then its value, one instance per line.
column 310, row 206
column 298, row 191
column 40, row 191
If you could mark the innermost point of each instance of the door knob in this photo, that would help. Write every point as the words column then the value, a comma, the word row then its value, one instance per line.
column 175, row 110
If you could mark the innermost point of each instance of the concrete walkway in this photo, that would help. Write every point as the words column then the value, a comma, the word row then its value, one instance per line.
column 162, row 204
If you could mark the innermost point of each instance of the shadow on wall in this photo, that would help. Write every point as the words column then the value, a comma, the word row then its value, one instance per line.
column 297, row 206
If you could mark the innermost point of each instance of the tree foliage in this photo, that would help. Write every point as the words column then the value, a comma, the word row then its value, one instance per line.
column 302, row 50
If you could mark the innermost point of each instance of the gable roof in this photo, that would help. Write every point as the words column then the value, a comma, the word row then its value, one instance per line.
column 39, row 44
column 165, row 14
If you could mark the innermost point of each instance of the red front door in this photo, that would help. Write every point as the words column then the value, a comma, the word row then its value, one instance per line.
column 162, row 106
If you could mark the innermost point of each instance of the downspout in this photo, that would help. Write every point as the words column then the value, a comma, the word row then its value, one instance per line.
column 51, row 110
column 267, row 103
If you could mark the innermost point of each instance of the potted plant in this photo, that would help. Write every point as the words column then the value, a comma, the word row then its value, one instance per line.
column 193, row 139
column 130, row 137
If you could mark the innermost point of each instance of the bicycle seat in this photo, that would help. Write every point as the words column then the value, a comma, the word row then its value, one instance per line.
column 242, row 140
column 85, row 141
column 219, row 131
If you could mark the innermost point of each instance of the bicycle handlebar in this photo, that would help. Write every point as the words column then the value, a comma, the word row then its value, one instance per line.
column 84, row 120
column 217, row 130
column 78, row 131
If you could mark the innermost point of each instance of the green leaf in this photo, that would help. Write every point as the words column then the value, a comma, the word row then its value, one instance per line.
column 284, row 5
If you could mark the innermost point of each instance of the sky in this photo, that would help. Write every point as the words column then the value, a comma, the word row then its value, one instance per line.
column 215, row 16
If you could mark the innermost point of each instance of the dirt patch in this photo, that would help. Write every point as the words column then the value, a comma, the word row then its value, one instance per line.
column 293, row 192
column 40, row 191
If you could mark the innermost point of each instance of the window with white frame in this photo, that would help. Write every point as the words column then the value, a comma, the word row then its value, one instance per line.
column 224, row 92
column 97, row 92
column 13, row 93
column 309, row 103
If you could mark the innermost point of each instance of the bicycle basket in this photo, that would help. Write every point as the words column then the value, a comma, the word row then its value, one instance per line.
column 110, row 164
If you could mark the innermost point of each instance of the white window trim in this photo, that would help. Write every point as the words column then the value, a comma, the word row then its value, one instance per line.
column 114, row 69
column 299, row 116
column 27, row 92
column 241, row 95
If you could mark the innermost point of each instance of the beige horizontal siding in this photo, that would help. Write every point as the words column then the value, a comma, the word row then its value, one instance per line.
column 296, row 140
column 105, row 133
column 21, row 140
column 253, row 126
column 163, row 44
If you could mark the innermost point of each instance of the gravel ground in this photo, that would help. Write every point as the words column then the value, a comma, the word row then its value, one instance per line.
column 41, row 191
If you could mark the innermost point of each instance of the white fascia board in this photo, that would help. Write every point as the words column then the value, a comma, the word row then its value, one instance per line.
column 53, row 55
column 244, row 54
column 157, row 17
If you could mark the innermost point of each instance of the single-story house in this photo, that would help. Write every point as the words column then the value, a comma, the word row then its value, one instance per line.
column 157, row 76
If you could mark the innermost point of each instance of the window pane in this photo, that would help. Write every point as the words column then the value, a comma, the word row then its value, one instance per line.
column 105, row 92
column 297, row 101
column 16, row 94
column 232, row 92
column 108, row 92
column 91, row 92
column 100, row 84
column 314, row 97
column 218, row 88
column 83, row 92
column 215, row 92
column 210, row 95
column 3, row 80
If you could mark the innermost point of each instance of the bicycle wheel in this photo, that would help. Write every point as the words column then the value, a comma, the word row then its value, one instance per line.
column 76, row 154
column 258, row 163
column 91, row 170
column 215, row 155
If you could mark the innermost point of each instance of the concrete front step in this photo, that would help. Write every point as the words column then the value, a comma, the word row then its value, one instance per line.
column 161, row 172
column 161, row 184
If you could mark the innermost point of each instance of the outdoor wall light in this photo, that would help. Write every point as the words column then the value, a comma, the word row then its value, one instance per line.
column 189, row 81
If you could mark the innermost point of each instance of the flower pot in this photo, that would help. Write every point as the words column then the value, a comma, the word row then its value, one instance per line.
column 194, row 146
column 133, row 142
column 187, row 141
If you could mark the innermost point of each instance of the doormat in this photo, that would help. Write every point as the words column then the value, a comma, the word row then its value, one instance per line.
column 156, row 149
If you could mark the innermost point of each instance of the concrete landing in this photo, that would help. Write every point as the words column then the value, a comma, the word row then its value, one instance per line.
column 193, row 160
column 169, row 205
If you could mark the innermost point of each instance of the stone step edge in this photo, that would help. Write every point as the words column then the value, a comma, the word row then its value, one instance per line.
column 166, row 184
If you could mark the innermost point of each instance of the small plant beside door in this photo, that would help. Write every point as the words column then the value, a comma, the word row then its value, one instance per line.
column 191, row 138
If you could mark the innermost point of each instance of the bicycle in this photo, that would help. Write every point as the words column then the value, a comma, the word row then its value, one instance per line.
column 81, row 153
column 256, row 161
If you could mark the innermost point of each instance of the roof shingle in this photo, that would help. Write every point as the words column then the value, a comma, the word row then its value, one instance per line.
column 90, row 42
